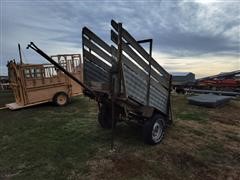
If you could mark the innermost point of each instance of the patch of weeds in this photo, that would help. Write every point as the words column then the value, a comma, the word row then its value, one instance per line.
column 193, row 116
column 178, row 130
column 183, row 165
column 185, row 161
column 197, row 132
column 213, row 152
column 234, row 137
column 6, row 97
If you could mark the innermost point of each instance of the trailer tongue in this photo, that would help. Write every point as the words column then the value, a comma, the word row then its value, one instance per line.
column 128, row 84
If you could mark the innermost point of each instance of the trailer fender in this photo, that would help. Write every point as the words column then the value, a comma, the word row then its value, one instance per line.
column 147, row 111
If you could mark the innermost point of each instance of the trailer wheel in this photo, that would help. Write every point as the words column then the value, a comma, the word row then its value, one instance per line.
column 61, row 99
column 105, row 117
column 153, row 130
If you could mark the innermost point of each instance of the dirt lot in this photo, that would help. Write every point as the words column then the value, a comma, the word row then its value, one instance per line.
column 48, row 142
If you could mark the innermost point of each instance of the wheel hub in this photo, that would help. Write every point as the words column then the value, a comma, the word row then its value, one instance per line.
column 61, row 99
column 156, row 132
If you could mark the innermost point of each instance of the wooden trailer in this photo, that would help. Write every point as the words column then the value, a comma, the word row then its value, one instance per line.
column 128, row 84
column 34, row 84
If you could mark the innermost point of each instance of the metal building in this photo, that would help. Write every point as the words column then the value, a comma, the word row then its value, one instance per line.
column 182, row 78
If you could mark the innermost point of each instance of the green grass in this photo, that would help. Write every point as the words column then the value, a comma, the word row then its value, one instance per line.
column 6, row 97
column 49, row 142
column 195, row 116
column 184, row 111
column 212, row 152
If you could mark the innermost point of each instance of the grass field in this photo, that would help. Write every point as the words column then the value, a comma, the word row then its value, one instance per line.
column 48, row 142
column 6, row 97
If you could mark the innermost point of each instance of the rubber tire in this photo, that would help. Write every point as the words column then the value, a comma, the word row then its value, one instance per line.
column 148, row 129
column 105, row 116
column 55, row 99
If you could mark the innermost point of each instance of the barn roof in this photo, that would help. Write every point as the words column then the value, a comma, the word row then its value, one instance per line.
column 180, row 73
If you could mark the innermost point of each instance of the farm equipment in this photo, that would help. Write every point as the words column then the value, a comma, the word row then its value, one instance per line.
column 224, row 83
column 229, row 81
column 34, row 84
column 128, row 84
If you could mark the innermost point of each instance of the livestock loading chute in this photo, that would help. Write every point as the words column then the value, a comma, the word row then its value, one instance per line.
column 128, row 84
column 34, row 84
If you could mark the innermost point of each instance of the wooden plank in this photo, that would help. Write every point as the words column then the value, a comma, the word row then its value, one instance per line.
column 96, row 49
column 134, row 68
column 158, row 86
column 3, row 108
column 160, row 69
column 96, row 39
column 96, row 70
column 15, row 106
column 94, row 73
column 114, row 54
column 96, row 60
column 140, row 49
column 130, row 52
column 131, row 65
column 157, row 76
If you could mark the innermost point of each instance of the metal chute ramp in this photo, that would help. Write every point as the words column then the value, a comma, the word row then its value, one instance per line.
column 124, row 79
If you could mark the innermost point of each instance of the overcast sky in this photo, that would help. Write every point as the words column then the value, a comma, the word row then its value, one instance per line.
column 202, row 36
